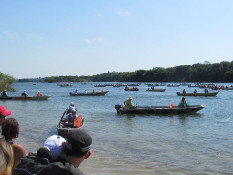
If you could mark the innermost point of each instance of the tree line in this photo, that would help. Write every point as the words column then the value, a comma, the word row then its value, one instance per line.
column 206, row 72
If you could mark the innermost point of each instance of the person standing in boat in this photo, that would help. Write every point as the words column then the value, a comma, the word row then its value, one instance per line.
column 69, row 109
column 128, row 102
column 184, row 91
column 195, row 91
column 206, row 90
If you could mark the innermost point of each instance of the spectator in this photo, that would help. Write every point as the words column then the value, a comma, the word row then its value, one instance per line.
column 73, row 152
column 10, row 130
column 6, row 157
column 3, row 114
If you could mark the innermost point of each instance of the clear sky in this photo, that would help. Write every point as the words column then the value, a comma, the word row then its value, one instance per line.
column 40, row 38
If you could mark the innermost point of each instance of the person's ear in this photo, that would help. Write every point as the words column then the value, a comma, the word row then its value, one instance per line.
column 63, row 145
column 87, row 155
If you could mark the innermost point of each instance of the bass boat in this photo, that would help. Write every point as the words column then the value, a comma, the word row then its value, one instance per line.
column 158, row 109
column 198, row 94
column 156, row 90
column 44, row 97
column 89, row 93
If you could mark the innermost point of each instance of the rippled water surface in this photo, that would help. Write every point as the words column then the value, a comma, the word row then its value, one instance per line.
column 200, row 143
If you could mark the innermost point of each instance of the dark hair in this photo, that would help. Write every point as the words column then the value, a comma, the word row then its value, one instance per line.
column 43, row 152
column 10, row 128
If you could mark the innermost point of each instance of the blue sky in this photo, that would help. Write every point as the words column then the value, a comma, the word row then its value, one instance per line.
column 87, row 37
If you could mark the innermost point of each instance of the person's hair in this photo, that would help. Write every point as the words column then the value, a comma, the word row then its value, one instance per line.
column 43, row 152
column 7, row 157
column 10, row 128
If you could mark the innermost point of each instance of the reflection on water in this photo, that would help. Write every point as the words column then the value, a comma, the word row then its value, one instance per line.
column 197, row 143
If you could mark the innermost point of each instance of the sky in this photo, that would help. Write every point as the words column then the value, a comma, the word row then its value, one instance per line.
column 43, row 38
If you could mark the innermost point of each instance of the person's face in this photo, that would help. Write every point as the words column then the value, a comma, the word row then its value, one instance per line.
column 2, row 119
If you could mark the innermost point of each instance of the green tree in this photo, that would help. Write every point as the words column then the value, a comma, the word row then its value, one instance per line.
column 6, row 82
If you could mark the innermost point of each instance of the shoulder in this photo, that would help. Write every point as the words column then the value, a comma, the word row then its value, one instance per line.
column 18, row 149
column 57, row 168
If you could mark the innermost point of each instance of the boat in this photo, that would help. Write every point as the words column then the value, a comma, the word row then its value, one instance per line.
column 63, row 131
column 89, row 93
column 99, row 85
column 131, row 89
column 222, row 88
column 198, row 94
column 158, row 109
column 65, row 85
column 156, row 90
column 44, row 97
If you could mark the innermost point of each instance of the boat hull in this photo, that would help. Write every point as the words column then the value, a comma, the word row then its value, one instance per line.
column 89, row 93
column 158, row 109
column 26, row 98
column 64, row 131
column 198, row 94
column 131, row 89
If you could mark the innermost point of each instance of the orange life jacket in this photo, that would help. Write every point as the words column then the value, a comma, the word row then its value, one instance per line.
column 78, row 121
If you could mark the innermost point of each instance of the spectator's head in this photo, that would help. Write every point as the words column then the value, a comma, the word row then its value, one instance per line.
column 78, row 144
column 7, row 157
column 54, row 145
column 3, row 114
column 10, row 128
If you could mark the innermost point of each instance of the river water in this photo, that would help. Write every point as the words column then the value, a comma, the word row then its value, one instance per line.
column 199, row 143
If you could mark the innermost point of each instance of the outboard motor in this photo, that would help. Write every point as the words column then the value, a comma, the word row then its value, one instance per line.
column 117, row 107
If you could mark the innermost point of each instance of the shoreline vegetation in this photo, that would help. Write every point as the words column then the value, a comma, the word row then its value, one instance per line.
column 6, row 81
column 206, row 72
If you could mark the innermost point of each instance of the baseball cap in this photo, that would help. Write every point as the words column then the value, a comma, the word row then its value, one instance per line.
column 4, row 112
column 54, row 144
column 78, row 141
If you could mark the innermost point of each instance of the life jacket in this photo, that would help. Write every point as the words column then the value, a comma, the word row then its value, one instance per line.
column 78, row 121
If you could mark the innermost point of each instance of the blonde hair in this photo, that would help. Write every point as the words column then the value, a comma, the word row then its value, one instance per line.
column 7, row 157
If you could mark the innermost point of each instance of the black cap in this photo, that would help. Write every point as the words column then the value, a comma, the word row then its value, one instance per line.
column 78, row 141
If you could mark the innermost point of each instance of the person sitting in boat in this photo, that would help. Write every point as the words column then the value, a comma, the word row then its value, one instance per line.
column 69, row 119
column 184, row 91
column 24, row 93
column 195, row 91
column 183, row 102
column 128, row 103
column 39, row 94
column 75, row 91
column 4, row 93
column 206, row 91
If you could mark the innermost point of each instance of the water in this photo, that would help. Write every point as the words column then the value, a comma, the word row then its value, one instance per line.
column 199, row 143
